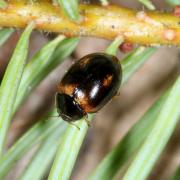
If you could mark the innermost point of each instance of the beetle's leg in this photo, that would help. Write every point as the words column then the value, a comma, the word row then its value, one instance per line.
column 116, row 95
column 87, row 121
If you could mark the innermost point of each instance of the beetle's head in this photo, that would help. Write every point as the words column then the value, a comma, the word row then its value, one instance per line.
column 67, row 108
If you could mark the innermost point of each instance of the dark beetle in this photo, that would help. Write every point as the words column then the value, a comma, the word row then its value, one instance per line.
column 88, row 85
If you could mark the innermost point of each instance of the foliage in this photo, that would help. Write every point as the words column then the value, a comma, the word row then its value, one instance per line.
column 60, row 143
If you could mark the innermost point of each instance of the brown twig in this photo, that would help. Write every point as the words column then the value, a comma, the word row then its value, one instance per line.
column 146, row 28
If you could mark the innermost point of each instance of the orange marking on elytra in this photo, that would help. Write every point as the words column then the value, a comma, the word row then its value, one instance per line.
column 107, row 80
column 66, row 89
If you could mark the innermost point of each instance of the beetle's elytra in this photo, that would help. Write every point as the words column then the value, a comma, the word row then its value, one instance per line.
column 88, row 85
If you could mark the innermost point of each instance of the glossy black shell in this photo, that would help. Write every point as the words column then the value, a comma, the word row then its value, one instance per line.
column 88, row 85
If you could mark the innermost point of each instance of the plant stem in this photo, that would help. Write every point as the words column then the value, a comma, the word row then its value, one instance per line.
column 146, row 28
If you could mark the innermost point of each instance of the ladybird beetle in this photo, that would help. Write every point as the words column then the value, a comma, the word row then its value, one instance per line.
column 88, row 85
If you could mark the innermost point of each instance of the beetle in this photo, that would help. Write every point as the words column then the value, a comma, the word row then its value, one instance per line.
column 88, row 85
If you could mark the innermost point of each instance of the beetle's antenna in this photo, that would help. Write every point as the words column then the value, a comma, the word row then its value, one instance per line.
column 55, row 116
column 74, row 125
column 67, row 121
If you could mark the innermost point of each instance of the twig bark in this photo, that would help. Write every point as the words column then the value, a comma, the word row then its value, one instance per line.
column 145, row 28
